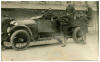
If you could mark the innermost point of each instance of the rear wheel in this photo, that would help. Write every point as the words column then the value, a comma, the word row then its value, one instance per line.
column 79, row 36
column 20, row 40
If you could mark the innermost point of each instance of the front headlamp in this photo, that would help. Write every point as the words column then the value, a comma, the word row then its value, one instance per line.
column 14, row 23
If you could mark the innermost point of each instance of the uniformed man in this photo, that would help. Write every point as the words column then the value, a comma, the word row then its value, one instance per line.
column 68, row 20
column 89, row 13
column 85, row 20
column 70, row 11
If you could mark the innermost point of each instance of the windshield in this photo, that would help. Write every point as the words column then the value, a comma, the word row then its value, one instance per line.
column 36, row 17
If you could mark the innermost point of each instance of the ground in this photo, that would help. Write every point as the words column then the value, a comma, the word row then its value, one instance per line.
column 54, row 52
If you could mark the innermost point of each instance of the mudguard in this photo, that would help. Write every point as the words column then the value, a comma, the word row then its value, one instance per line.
column 14, row 28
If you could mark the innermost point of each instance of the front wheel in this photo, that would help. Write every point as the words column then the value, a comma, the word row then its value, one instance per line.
column 20, row 40
column 79, row 36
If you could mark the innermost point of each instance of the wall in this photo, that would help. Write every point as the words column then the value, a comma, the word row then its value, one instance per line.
column 59, row 5
column 25, row 10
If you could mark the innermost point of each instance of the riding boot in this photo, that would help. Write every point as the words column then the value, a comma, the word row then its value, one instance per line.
column 64, row 41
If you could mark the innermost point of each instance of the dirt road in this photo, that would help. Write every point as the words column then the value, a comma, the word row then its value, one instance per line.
column 54, row 51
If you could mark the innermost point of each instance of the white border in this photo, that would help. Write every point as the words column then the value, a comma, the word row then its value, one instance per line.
column 99, row 31
column 0, row 30
column 49, row 0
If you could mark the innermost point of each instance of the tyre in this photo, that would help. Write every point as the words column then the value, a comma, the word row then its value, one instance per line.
column 20, row 40
column 78, row 36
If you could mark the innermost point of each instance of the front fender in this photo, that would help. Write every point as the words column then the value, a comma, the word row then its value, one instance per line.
column 24, row 27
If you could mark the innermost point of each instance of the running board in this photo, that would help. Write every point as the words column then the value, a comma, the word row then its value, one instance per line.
column 45, row 38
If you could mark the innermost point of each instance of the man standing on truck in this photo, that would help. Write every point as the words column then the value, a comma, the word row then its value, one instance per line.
column 67, row 23
column 70, row 13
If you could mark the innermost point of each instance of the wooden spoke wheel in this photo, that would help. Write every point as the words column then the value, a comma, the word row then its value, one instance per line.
column 20, row 40
column 78, row 35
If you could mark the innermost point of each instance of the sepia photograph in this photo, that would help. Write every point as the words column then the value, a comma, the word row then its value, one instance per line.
column 49, row 30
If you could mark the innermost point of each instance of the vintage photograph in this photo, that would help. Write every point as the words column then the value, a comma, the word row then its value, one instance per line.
column 49, row 30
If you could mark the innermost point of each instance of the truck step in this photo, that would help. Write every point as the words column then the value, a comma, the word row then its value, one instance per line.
column 45, row 38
